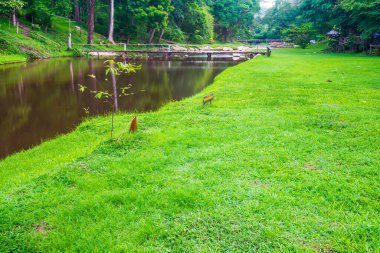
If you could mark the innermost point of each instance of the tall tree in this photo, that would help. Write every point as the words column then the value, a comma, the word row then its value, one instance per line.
column 41, row 11
column 90, row 21
column 281, row 16
column 111, row 21
column 76, row 11
column 158, row 15
column 319, row 12
column 364, row 14
column 191, row 20
column 234, row 17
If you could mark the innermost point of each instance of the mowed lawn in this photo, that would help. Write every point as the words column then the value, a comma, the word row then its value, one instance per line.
column 286, row 159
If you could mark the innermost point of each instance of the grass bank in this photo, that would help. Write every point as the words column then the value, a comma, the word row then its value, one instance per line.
column 31, row 43
column 286, row 159
column 14, row 58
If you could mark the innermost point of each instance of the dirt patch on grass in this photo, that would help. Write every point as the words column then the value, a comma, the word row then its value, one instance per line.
column 32, row 52
column 324, row 249
column 310, row 167
column 41, row 228
column 259, row 184
column 27, row 49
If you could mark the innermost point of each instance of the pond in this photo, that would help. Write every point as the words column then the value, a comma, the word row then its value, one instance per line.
column 41, row 99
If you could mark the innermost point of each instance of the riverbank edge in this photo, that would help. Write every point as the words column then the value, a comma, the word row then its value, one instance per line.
column 4, row 59
column 90, row 138
column 20, row 58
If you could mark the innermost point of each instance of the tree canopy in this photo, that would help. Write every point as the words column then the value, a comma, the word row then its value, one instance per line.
column 349, row 17
column 204, row 21
column 197, row 21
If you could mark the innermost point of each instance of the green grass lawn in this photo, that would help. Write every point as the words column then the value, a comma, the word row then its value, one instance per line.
column 286, row 159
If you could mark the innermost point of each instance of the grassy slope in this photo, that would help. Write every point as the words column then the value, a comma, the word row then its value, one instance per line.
column 54, row 42
column 282, row 161
column 39, row 44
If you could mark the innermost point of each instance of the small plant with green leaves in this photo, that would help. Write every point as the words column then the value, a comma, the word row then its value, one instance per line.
column 113, row 70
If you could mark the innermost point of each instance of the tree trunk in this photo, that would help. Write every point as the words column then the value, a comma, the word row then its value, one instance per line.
column 151, row 36
column 161, row 35
column 14, row 20
column 91, row 20
column 114, row 89
column 111, row 21
column 69, row 42
column 226, row 34
column 76, row 11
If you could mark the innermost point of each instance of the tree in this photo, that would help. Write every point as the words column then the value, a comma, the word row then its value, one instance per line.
column 364, row 15
column 158, row 14
column 232, row 17
column 133, row 18
column 320, row 12
column 11, row 6
column 61, row 8
column 280, row 17
column 90, row 21
column 191, row 20
column 40, row 12
column 76, row 11
column 301, row 35
column 111, row 21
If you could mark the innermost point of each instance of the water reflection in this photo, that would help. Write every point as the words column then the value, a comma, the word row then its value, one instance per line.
column 41, row 99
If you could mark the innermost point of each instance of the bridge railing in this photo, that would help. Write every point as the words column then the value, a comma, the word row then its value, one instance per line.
column 164, row 47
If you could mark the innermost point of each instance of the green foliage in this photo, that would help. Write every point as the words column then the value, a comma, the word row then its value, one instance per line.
column 118, row 68
column 40, row 12
column 234, row 17
column 113, row 70
column 174, row 33
column 351, row 17
column 364, row 15
column 63, row 8
column 135, row 18
column 320, row 12
column 77, row 52
column 187, row 21
column 280, row 17
column 8, row 6
column 203, row 21
column 301, row 35
column 197, row 23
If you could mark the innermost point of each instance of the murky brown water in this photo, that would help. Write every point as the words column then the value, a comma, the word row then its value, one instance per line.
column 41, row 99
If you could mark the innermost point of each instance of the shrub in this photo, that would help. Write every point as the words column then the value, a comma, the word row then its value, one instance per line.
column 301, row 35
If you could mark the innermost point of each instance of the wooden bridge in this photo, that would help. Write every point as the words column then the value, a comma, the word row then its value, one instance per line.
column 168, row 54
column 263, row 41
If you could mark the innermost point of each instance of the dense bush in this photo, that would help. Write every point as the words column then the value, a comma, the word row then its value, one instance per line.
column 174, row 33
